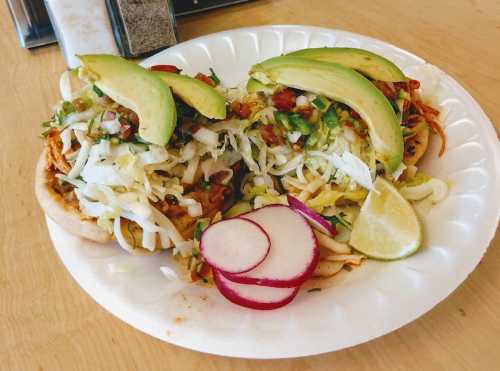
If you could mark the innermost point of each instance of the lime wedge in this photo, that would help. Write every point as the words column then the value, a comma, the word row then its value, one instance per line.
column 387, row 226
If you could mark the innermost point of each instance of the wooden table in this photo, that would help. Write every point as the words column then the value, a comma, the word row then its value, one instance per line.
column 47, row 322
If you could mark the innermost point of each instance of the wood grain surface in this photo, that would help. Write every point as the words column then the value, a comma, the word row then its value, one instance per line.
column 47, row 322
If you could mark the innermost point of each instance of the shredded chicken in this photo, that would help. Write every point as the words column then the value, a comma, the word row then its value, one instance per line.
column 54, row 156
column 217, row 197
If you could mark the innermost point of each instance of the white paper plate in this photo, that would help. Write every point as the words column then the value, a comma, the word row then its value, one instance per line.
column 365, row 303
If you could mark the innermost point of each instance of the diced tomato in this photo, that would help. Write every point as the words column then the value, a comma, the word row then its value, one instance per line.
column 242, row 110
column 306, row 112
column 202, row 77
column 195, row 128
column 355, row 115
column 284, row 100
column 133, row 118
column 126, row 131
column 269, row 136
column 165, row 68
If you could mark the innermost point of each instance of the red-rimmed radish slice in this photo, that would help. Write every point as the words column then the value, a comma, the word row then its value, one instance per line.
column 254, row 296
column 317, row 221
column 294, row 249
column 234, row 245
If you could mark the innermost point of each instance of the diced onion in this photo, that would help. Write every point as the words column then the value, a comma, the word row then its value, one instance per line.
column 302, row 101
column 294, row 136
column 111, row 126
column 195, row 210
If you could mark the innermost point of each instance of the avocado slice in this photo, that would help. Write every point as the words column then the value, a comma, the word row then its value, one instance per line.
column 255, row 86
column 135, row 88
column 195, row 93
column 369, row 64
column 346, row 86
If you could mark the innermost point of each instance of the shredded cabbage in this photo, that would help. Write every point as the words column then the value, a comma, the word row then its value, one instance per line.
column 206, row 136
column 190, row 172
column 83, row 154
column 122, row 241
column 291, row 165
column 149, row 240
column 65, row 86
column 329, row 198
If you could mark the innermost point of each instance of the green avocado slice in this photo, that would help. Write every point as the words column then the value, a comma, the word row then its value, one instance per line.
column 135, row 88
column 346, row 86
column 254, row 86
column 369, row 64
column 197, row 94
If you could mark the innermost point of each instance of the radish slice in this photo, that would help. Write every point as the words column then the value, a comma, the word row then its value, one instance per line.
column 294, row 249
column 317, row 221
column 254, row 296
column 234, row 245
